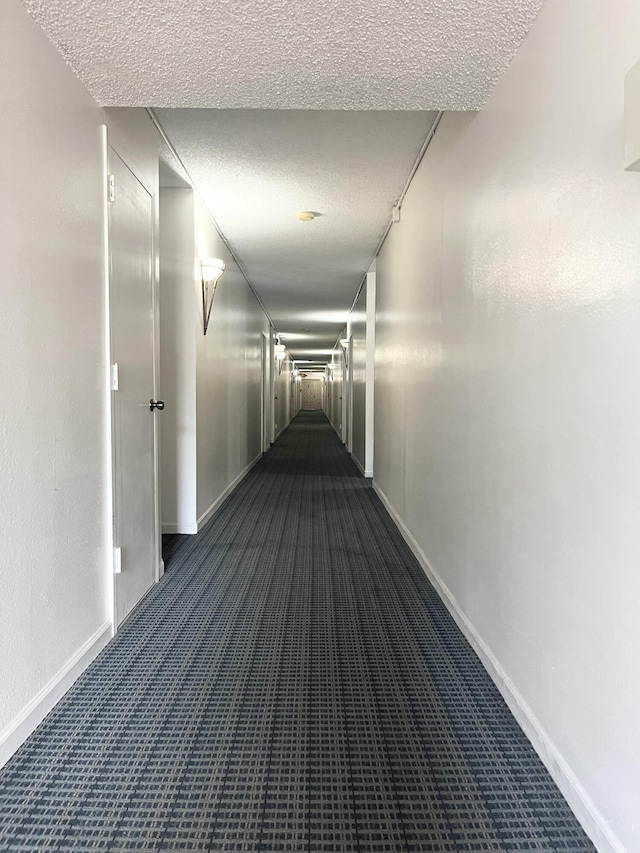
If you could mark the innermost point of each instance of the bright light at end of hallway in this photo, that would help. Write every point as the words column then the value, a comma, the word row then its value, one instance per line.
column 295, row 336
column 324, row 316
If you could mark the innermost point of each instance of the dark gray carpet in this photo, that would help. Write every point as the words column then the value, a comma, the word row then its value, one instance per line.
column 292, row 684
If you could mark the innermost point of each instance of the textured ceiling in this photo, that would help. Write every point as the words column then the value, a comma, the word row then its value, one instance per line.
column 307, row 54
column 255, row 169
column 294, row 106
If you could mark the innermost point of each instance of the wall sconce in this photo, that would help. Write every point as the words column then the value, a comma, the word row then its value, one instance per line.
column 210, row 271
column 280, row 353
column 344, row 343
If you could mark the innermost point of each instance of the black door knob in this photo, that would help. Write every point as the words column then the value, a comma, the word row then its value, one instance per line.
column 156, row 404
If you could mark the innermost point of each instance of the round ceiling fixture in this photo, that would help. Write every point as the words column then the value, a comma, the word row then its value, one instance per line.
column 305, row 215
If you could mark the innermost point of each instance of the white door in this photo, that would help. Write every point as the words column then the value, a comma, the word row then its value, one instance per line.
column 132, row 350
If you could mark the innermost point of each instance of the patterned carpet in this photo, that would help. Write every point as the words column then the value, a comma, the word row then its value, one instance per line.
column 292, row 684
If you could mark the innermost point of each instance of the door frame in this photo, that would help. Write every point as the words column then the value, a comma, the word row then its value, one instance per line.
column 266, row 391
column 347, row 394
column 110, row 436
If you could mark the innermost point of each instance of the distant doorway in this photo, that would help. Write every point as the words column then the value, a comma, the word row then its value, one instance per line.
column 311, row 394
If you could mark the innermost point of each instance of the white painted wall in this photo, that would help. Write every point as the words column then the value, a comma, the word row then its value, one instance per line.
column 211, row 427
column 180, row 322
column 283, row 402
column 347, row 389
column 54, row 587
column 55, row 572
column 369, row 419
column 133, row 135
column 336, row 377
column 363, row 328
column 507, row 407
column 267, row 396
column 228, row 376
column 358, row 323
column 296, row 395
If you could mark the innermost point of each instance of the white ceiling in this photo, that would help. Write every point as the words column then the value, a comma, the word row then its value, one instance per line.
column 308, row 105
column 257, row 168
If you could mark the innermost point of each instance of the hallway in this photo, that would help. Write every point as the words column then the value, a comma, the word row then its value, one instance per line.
column 293, row 683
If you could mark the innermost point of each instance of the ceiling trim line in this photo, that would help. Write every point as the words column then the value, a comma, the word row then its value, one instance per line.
column 169, row 144
column 416, row 165
column 398, row 204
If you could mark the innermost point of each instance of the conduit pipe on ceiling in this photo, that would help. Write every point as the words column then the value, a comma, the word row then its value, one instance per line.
column 398, row 204
column 416, row 166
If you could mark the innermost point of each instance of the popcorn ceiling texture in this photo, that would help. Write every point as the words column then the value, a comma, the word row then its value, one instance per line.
column 309, row 54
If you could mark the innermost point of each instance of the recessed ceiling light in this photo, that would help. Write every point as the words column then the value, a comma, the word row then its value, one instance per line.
column 305, row 215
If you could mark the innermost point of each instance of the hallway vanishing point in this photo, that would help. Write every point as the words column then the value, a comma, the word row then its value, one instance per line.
column 292, row 684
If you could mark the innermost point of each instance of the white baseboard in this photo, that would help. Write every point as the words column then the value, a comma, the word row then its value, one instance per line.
column 177, row 527
column 589, row 815
column 337, row 431
column 358, row 465
column 363, row 471
column 280, row 431
column 15, row 734
column 209, row 513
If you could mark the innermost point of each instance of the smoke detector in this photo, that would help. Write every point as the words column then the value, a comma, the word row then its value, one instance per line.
column 305, row 215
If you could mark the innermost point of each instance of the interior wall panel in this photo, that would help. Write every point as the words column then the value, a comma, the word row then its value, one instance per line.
column 358, row 325
column 54, row 587
column 507, row 414
column 228, row 374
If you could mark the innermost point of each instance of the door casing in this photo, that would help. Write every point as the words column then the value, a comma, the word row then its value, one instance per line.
column 148, row 489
